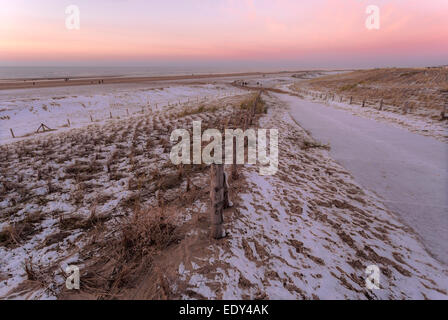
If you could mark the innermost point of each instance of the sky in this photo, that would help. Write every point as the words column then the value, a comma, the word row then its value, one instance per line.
column 257, row 33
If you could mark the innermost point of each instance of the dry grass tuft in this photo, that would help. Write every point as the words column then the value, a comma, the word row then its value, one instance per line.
column 146, row 231
column 78, row 222
column 126, row 257
column 310, row 144
column 13, row 235
column 418, row 88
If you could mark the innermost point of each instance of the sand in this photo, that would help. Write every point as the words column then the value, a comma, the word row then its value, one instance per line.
column 58, row 82
column 308, row 232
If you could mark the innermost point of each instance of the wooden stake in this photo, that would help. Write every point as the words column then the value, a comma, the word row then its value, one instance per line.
column 160, row 200
column 381, row 105
column 180, row 171
column 234, row 165
column 43, row 127
column 217, row 199
column 12, row 133
column 188, row 184
column 444, row 114
column 68, row 122
column 110, row 113
column 91, row 118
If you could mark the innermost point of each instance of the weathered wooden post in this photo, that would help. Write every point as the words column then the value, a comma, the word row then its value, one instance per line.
column 444, row 113
column 251, row 112
column 91, row 118
column 68, row 122
column 188, row 184
column 12, row 133
column 110, row 114
column 180, row 171
column 405, row 107
column 160, row 199
column 217, row 199
column 351, row 100
column 234, row 165
column 363, row 103
column 381, row 105
column 127, row 111
column 43, row 127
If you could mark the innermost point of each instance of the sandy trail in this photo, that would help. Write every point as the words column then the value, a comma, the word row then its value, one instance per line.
column 408, row 170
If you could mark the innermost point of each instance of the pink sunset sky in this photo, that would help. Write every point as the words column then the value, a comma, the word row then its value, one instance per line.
column 318, row 33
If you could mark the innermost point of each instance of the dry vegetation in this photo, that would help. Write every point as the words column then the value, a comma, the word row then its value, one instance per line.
column 307, row 232
column 106, row 196
column 416, row 89
column 108, row 199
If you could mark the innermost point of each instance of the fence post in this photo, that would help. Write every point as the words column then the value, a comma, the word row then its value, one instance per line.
column 68, row 122
column 251, row 111
column 110, row 113
column 91, row 119
column 234, row 165
column 405, row 107
column 381, row 105
column 188, row 184
column 444, row 114
column 363, row 103
column 160, row 199
column 445, row 111
column 12, row 133
column 217, row 197
column 351, row 100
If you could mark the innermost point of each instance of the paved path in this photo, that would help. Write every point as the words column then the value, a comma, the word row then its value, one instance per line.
column 407, row 170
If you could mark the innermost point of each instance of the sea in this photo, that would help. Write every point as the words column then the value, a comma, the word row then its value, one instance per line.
column 76, row 72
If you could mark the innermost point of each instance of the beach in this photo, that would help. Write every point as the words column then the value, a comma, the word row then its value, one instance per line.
column 99, row 174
